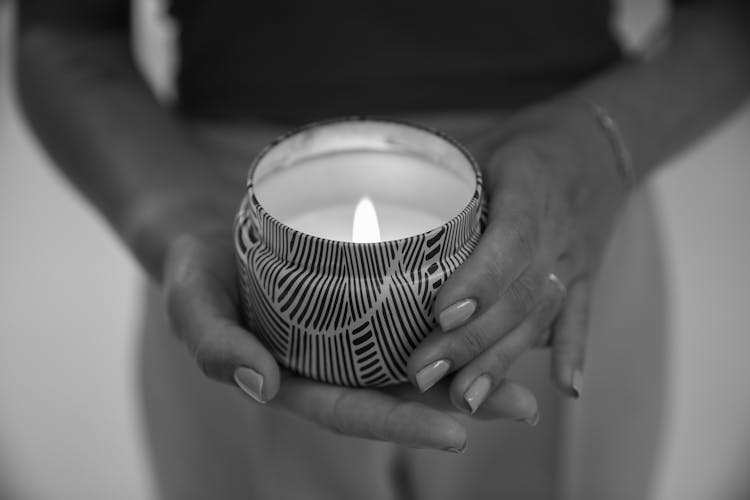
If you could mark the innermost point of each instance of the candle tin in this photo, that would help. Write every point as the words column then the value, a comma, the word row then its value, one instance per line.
column 341, row 312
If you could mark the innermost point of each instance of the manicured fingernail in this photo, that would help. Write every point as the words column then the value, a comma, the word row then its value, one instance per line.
column 456, row 315
column 477, row 392
column 576, row 383
column 456, row 450
column 251, row 382
column 430, row 374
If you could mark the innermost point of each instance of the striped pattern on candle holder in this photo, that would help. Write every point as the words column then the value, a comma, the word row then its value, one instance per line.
column 340, row 312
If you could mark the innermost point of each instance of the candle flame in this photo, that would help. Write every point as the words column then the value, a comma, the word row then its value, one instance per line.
column 365, row 228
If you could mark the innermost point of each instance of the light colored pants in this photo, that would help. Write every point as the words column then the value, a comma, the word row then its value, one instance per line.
column 210, row 442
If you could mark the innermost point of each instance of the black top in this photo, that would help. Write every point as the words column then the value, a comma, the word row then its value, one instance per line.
column 319, row 58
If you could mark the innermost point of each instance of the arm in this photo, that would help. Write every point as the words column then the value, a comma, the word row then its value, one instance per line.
column 100, row 123
column 552, row 175
column 670, row 99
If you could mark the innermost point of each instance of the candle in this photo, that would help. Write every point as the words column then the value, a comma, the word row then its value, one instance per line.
column 365, row 225
column 347, row 232
column 318, row 195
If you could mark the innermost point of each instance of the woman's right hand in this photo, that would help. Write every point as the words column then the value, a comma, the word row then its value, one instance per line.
column 200, row 284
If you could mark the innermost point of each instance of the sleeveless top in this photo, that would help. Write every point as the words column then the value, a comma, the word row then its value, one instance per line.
column 313, row 59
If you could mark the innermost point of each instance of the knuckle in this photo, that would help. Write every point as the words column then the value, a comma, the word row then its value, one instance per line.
column 473, row 341
column 338, row 423
column 501, row 361
column 522, row 294
column 522, row 233
column 549, row 309
column 335, row 426
column 495, row 270
column 175, row 302
column 393, row 420
column 544, row 338
column 490, row 262
column 185, row 261
column 202, row 357
column 179, row 297
column 180, row 305
column 204, row 353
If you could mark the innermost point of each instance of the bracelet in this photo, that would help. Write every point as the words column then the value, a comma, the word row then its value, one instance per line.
column 623, row 159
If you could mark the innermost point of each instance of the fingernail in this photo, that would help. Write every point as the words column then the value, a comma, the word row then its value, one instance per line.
column 456, row 315
column 576, row 383
column 462, row 449
column 251, row 382
column 430, row 374
column 477, row 392
column 532, row 420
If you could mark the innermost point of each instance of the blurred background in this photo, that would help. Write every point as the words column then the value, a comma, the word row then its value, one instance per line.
column 69, row 420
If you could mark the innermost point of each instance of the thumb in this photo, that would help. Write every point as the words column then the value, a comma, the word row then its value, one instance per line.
column 200, row 293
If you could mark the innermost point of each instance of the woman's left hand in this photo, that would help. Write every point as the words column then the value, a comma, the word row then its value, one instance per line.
column 554, row 193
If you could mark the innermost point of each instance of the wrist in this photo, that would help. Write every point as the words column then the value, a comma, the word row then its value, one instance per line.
column 609, row 127
column 199, row 197
column 567, row 146
column 154, row 220
column 591, row 136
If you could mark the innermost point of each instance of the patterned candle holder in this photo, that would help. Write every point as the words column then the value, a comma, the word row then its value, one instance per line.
column 342, row 312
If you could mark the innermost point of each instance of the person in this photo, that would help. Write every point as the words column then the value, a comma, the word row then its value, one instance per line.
column 565, row 128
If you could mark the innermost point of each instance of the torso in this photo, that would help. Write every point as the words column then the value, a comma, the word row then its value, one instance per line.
column 298, row 61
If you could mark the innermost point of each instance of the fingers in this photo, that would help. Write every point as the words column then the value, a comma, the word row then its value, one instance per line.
column 399, row 414
column 203, row 311
column 503, row 299
column 569, row 340
column 479, row 378
column 372, row 414
column 464, row 343
column 200, row 287
column 530, row 296
column 511, row 243
column 509, row 400
column 490, row 293
column 506, row 250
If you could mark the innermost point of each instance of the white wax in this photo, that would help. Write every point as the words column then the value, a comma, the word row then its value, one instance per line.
column 334, row 222
column 317, row 194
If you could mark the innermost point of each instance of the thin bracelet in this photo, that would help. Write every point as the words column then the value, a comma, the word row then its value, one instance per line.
column 623, row 159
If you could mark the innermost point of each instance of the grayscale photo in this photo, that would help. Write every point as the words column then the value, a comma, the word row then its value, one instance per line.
column 392, row 250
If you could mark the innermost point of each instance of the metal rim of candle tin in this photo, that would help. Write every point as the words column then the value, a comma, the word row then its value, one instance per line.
column 342, row 312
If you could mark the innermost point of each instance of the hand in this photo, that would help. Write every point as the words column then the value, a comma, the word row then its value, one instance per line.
column 203, row 302
column 553, row 197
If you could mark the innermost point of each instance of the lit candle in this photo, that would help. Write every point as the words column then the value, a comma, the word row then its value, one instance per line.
column 365, row 225
column 318, row 195
column 347, row 232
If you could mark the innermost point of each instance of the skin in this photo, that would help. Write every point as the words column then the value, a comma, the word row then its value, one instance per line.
column 555, row 196
column 551, row 177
